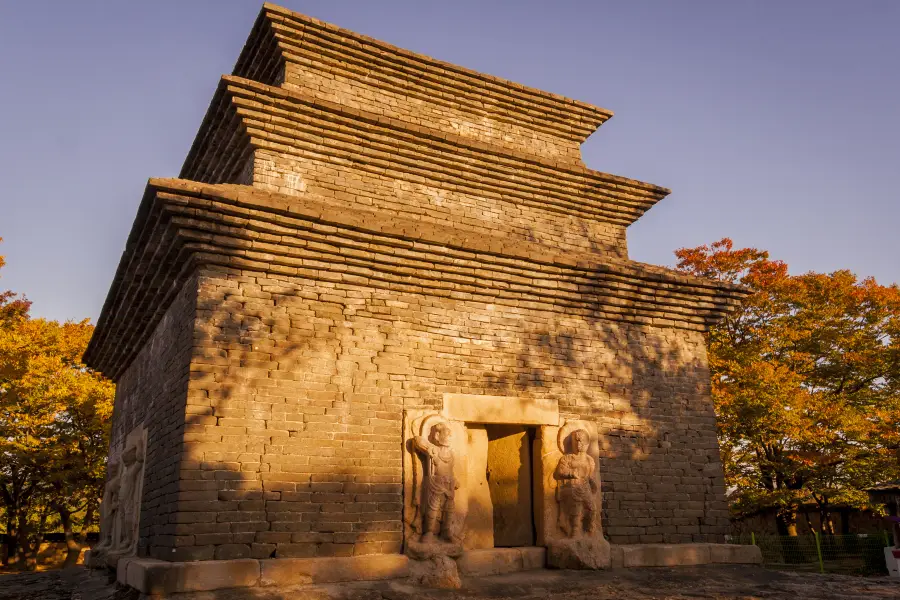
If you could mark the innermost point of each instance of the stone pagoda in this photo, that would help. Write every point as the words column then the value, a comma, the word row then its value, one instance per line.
column 384, row 324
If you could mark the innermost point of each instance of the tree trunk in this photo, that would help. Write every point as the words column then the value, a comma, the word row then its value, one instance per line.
column 73, row 548
column 845, row 521
column 827, row 523
column 809, row 524
column 786, row 519
column 826, row 526
column 22, row 546
column 11, row 538
column 87, row 522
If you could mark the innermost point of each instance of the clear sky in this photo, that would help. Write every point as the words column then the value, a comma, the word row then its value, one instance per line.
column 776, row 123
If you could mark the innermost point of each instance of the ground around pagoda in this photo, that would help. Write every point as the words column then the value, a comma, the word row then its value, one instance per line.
column 694, row 583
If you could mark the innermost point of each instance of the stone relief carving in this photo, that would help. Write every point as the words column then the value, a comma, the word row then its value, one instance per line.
column 440, row 483
column 571, row 507
column 130, row 494
column 435, row 481
column 109, row 507
column 120, row 508
column 576, row 474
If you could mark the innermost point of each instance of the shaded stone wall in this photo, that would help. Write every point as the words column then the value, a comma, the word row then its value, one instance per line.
column 152, row 391
column 663, row 481
column 296, row 399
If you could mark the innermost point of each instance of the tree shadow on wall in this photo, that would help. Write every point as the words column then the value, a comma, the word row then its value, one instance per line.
column 270, row 465
column 648, row 389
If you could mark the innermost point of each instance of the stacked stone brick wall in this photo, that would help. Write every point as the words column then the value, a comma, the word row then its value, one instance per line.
column 297, row 394
column 478, row 211
column 662, row 474
column 152, row 392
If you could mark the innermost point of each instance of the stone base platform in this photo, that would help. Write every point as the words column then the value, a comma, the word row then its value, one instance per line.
column 151, row 576
column 676, row 555
column 498, row 561
column 705, row 582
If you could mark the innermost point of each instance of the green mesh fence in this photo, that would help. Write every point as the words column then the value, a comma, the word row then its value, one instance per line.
column 861, row 554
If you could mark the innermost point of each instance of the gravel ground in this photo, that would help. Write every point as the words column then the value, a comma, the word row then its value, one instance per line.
column 717, row 582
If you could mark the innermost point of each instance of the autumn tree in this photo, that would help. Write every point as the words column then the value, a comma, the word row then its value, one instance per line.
column 806, row 383
column 54, row 423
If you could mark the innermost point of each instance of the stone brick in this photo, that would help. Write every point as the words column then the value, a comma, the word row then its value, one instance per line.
column 150, row 576
column 665, row 555
column 231, row 551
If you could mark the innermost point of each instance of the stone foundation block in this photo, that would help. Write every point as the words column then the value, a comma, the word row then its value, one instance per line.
column 674, row 555
column 295, row 571
column 496, row 561
column 151, row 576
column 665, row 555
column 734, row 554
column 579, row 553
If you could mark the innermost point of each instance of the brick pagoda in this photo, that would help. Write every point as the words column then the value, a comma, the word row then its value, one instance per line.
column 362, row 239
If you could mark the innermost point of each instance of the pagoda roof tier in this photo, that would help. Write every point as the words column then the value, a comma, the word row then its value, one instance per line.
column 363, row 68
column 245, row 115
column 182, row 226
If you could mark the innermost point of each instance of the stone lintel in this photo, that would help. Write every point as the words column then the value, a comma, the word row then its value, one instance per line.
column 473, row 408
column 676, row 555
column 152, row 576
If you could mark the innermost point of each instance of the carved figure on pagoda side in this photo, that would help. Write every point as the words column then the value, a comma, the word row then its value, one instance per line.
column 440, row 484
column 109, row 510
column 576, row 473
column 130, row 494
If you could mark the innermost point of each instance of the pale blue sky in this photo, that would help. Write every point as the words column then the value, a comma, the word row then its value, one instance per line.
column 776, row 123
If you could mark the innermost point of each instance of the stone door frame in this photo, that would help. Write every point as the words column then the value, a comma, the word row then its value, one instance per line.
column 462, row 410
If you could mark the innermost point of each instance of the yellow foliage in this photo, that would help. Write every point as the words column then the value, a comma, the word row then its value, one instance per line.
column 54, row 417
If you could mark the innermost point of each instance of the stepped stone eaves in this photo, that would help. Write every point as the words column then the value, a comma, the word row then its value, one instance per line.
column 186, row 224
column 359, row 233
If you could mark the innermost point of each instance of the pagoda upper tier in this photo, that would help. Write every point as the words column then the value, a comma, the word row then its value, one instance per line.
column 328, row 156
column 316, row 110
column 329, row 63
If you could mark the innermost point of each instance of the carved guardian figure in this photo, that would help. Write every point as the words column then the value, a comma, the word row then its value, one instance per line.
column 133, row 459
column 440, row 483
column 577, row 477
column 109, row 509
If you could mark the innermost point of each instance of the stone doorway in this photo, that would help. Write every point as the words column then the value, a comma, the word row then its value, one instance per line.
column 510, row 478
column 506, row 454
column 500, row 504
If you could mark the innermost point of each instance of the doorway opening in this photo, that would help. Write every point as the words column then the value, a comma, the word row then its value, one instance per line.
column 510, row 479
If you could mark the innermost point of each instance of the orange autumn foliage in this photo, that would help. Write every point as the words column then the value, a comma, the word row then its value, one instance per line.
column 806, row 383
